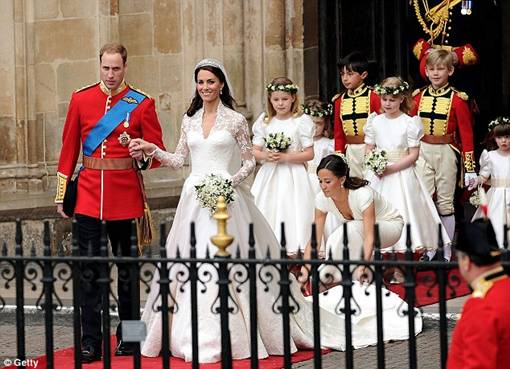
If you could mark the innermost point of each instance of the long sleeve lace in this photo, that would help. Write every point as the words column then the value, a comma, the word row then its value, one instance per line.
column 248, row 160
column 174, row 160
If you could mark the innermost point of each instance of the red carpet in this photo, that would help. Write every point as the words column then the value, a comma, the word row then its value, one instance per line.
column 64, row 359
column 427, row 288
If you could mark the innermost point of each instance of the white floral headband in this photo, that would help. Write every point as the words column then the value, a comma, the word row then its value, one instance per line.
column 325, row 111
column 392, row 90
column 290, row 88
column 498, row 121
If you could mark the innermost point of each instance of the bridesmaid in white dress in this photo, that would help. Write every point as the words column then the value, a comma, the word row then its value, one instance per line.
column 322, row 146
column 495, row 170
column 282, row 189
column 211, row 134
column 399, row 135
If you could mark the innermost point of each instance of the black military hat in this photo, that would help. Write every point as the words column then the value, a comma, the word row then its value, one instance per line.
column 478, row 240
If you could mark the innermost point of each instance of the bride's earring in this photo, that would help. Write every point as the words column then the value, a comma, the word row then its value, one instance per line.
column 342, row 185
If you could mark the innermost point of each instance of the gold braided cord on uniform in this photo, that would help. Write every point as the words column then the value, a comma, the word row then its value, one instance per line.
column 438, row 16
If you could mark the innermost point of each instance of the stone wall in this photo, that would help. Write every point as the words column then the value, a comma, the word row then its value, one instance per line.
column 49, row 48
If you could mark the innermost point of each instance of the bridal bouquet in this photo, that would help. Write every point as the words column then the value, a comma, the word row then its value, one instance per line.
column 376, row 160
column 277, row 142
column 211, row 188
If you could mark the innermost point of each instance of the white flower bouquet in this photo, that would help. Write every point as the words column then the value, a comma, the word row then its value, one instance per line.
column 277, row 142
column 376, row 160
column 211, row 188
column 474, row 199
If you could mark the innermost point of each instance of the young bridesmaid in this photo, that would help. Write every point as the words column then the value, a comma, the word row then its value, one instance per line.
column 495, row 170
column 399, row 136
column 283, row 143
column 323, row 144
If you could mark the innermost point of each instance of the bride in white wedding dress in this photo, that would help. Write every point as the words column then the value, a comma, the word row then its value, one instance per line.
column 214, row 136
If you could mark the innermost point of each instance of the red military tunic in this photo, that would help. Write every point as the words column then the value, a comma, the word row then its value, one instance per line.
column 481, row 338
column 351, row 110
column 105, row 194
column 446, row 112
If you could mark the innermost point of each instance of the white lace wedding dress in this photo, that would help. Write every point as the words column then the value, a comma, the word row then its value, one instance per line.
column 217, row 153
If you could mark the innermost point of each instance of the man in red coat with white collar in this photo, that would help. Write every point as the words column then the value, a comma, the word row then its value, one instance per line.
column 481, row 338
column 101, row 120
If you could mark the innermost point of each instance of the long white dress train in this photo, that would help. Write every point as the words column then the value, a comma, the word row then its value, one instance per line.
column 213, row 154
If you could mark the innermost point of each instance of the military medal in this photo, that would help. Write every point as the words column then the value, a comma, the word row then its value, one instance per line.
column 126, row 122
column 124, row 138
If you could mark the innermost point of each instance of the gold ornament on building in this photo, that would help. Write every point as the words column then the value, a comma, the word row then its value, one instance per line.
column 222, row 239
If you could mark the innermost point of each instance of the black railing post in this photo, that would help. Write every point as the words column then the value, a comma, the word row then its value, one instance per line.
column 224, row 310
column 441, row 281
column 378, row 299
column 285, row 308
column 20, row 296
column 135, row 292
column 409, row 286
column 164, row 289
column 347, row 292
column 252, row 275
column 76, row 298
column 104, row 283
column 48, row 281
column 193, row 275
column 317, row 358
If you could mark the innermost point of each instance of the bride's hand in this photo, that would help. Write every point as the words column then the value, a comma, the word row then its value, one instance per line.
column 138, row 147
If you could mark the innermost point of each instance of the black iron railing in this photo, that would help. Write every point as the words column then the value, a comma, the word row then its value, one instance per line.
column 71, row 272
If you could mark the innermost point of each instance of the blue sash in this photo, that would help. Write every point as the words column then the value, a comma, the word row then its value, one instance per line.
column 111, row 120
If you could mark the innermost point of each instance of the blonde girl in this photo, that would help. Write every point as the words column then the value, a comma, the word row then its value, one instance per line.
column 282, row 189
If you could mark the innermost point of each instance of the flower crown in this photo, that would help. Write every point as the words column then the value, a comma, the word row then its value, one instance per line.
column 498, row 121
column 392, row 90
column 344, row 158
column 324, row 111
column 290, row 88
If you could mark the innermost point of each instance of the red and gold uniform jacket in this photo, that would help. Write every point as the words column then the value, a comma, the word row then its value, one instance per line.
column 446, row 119
column 105, row 194
column 351, row 110
column 481, row 338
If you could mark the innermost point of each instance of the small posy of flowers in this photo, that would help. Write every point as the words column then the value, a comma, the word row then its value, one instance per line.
column 392, row 90
column 290, row 88
column 498, row 121
column 277, row 142
column 325, row 111
column 211, row 188
column 376, row 160
column 474, row 199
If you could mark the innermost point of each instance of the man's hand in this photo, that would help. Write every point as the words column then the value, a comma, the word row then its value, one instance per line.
column 470, row 180
column 60, row 210
column 137, row 147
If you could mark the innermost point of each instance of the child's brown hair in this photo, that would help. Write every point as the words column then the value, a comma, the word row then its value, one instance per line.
column 281, row 84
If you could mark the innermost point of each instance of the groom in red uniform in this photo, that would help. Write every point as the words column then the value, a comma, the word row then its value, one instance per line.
column 101, row 120
column 482, row 336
